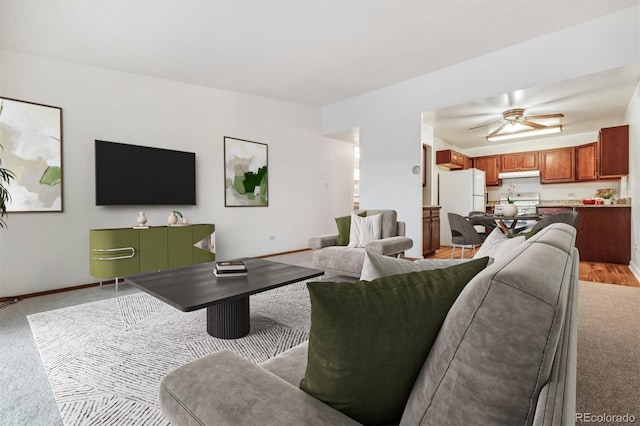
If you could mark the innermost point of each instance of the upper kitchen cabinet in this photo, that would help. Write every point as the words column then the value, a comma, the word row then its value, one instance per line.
column 587, row 162
column 452, row 160
column 468, row 162
column 518, row 162
column 490, row 164
column 614, row 151
column 557, row 165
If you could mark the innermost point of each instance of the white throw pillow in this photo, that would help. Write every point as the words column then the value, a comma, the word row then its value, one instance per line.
column 364, row 229
column 377, row 265
column 497, row 245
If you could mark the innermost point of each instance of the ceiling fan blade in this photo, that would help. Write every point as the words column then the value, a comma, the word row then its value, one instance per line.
column 485, row 124
column 531, row 124
column 538, row 117
column 498, row 130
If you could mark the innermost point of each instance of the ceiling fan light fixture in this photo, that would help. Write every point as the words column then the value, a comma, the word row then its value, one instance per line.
column 525, row 133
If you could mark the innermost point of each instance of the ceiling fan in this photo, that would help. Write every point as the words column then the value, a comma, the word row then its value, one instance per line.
column 515, row 116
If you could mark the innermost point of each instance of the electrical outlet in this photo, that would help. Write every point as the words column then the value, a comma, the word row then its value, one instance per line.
column 571, row 194
column 272, row 237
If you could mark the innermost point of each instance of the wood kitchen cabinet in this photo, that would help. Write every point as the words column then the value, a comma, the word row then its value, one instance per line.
column 519, row 161
column 468, row 163
column 452, row 160
column 490, row 164
column 587, row 162
column 549, row 210
column 604, row 234
column 614, row 151
column 430, row 230
column 557, row 165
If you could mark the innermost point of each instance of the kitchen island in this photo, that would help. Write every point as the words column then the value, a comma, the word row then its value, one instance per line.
column 604, row 231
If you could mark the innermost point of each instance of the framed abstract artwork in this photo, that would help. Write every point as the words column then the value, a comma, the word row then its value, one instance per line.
column 31, row 139
column 246, row 182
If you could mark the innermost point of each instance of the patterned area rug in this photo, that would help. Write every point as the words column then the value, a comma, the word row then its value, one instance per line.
column 105, row 359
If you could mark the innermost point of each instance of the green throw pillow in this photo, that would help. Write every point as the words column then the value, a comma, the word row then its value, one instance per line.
column 369, row 339
column 527, row 235
column 344, row 228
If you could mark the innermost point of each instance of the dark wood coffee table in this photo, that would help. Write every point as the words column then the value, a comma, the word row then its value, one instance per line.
column 227, row 299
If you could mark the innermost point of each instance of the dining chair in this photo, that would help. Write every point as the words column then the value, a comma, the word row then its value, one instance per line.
column 479, row 218
column 565, row 217
column 463, row 234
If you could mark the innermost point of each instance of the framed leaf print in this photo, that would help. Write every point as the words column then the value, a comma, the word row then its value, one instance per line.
column 246, row 182
column 31, row 138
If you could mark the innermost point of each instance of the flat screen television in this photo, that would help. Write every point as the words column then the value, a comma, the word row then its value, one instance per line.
column 142, row 175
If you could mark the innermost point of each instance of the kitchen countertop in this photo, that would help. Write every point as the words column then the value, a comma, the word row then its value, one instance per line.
column 567, row 203
column 576, row 203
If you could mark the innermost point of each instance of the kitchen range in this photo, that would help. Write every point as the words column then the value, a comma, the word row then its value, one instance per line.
column 527, row 203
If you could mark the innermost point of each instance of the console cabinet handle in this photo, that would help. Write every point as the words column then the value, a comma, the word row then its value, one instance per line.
column 114, row 250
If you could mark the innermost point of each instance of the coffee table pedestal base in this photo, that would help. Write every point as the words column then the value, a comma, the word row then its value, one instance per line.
column 229, row 320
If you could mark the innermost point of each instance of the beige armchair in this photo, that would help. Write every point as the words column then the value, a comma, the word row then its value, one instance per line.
column 348, row 261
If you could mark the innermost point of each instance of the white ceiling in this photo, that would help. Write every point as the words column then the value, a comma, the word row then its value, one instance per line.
column 313, row 52
column 588, row 104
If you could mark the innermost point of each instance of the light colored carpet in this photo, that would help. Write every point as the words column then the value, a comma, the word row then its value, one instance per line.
column 608, row 350
column 608, row 376
column 105, row 359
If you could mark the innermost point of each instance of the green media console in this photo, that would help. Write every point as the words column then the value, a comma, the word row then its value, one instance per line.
column 126, row 251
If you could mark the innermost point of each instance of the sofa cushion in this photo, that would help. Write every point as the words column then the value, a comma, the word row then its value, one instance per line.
column 368, row 340
column 496, row 347
column 364, row 229
column 341, row 260
column 498, row 245
column 377, row 266
column 289, row 365
column 389, row 221
column 344, row 229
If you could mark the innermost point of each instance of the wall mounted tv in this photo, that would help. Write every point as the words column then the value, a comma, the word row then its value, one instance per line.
column 141, row 175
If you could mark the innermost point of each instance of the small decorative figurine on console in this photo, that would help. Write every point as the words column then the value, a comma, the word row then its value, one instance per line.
column 173, row 217
column 142, row 221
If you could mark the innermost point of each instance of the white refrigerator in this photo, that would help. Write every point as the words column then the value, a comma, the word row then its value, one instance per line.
column 461, row 192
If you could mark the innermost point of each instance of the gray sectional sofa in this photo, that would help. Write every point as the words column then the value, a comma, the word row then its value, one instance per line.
column 348, row 261
column 505, row 355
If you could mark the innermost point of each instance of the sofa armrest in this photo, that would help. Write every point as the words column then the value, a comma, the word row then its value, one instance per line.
column 322, row 241
column 226, row 389
column 390, row 246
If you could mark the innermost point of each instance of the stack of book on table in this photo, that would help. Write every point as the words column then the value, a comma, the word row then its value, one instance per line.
column 230, row 268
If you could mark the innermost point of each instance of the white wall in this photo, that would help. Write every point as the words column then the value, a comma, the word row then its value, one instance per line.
column 383, row 115
column 307, row 172
column 633, row 118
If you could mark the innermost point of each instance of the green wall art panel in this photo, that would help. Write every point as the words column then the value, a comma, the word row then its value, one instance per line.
column 31, row 135
column 245, row 173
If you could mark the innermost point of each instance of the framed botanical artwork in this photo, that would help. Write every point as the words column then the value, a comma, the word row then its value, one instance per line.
column 31, row 139
column 246, row 182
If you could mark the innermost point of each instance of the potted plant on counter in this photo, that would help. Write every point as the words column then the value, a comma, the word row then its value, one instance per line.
column 607, row 195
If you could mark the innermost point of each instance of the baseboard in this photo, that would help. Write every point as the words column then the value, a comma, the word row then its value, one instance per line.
column 57, row 290
column 634, row 270
column 282, row 253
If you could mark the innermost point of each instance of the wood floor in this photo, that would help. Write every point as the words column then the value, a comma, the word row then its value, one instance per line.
column 609, row 273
